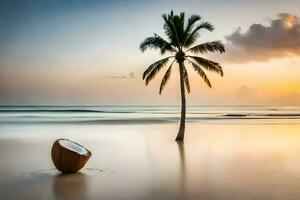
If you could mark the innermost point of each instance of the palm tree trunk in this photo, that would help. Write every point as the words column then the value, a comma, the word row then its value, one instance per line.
column 180, row 135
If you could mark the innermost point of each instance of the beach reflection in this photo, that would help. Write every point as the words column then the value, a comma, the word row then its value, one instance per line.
column 216, row 162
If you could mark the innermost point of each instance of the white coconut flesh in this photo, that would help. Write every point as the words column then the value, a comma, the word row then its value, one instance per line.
column 73, row 147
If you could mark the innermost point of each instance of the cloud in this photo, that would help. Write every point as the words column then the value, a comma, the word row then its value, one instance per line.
column 245, row 92
column 130, row 75
column 261, row 96
column 281, row 38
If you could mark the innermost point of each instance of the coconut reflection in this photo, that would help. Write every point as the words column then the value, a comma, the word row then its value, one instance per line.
column 70, row 186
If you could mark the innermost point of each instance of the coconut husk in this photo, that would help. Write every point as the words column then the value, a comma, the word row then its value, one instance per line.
column 68, row 160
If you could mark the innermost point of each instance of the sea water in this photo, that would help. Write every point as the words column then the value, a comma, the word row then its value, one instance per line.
column 148, row 114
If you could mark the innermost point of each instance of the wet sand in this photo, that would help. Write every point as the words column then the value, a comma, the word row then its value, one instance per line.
column 216, row 162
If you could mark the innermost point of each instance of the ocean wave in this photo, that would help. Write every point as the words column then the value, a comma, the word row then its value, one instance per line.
column 59, row 111
column 149, row 120
column 236, row 115
column 282, row 114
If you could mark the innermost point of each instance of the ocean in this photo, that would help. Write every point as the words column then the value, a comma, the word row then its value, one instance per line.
column 148, row 114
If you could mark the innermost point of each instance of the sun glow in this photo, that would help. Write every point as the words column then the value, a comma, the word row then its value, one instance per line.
column 289, row 24
column 289, row 20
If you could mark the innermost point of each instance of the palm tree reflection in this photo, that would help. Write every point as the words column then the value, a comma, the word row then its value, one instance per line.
column 182, row 176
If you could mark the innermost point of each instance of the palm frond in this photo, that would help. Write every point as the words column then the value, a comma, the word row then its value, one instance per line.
column 194, row 34
column 157, row 64
column 186, row 80
column 182, row 17
column 154, row 71
column 156, row 42
column 208, row 46
column 205, row 25
column 191, row 21
column 198, row 69
column 170, row 29
column 166, row 78
column 178, row 21
column 208, row 64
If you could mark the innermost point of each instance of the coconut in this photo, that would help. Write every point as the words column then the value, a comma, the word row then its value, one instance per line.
column 68, row 156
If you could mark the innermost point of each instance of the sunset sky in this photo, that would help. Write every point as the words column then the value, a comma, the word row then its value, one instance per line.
column 87, row 52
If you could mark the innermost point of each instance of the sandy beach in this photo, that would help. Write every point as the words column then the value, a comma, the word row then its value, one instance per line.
column 217, row 161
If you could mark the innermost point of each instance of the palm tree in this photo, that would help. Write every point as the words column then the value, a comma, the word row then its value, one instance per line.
column 181, row 35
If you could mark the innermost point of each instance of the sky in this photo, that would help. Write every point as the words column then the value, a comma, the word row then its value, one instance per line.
column 76, row 52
